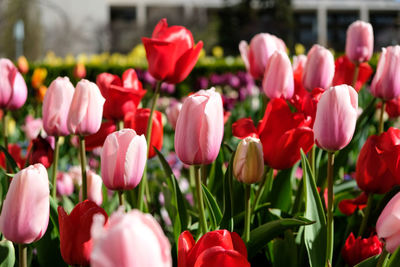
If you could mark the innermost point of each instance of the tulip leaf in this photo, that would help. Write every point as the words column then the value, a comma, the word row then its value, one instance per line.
column 370, row 262
column 394, row 259
column 216, row 214
column 315, row 236
column 260, row 236
column 10, row 160
column 7, row 253
column 54, row 215
column 280, row 195
column 227, row 218
column 287, row 247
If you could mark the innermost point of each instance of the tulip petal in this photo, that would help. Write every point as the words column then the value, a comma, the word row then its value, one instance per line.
column 218, row 256
column 185, row 64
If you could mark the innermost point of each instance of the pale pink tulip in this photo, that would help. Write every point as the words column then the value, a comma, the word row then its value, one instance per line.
column 32, row 127
column 388, row 224
column 13, row 90
column 65, row 184
column 86, row 110
column 386, row 82
column 134, row 239
column 319, row 68
column 94, row 184
column 76, row 174
column 172, row 113
column 278, row 78
column 336, row 117
column 56, row 103
column 25, row 214
column 359, row 41
column 200, row 128
column 123, row 159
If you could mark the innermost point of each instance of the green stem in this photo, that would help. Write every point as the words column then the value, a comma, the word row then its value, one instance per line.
column 23, row 259
column 356, row 70
column 246, row 233
column 381, row 121
column 121, row 198
column 382, row 258
column 5, row 134
column 366, row 215
column 331, row 158
column 143, row 183
column 200, row 204
column 260, row 190
column 204, row 174
column 311, row 159
column 55, row 166
column 82, row 154
column 120, row 125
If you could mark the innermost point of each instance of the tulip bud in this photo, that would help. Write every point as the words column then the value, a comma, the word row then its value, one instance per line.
column 13, row 90
column 25, row 214
column 359, row 41
column 94, row 184
column 86, row 110
column 248, row 164
column 388, row 224
column 123, row 159
column 319, row 68
column 200, row 128
column 336, row 117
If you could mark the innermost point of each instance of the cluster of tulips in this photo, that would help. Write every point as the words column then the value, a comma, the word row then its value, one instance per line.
column 274, row 212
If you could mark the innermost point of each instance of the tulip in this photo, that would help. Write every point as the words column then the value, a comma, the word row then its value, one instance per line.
column 173, row 113
column 200, row 128
column 79, row 71
column 25, row 214
column 336, row 117
column 386, row 82
column 216, row 248
column 13, row 90
column 40, row 151
column 38, row 77
column 376, row 169
column 97, row 140
column 393, row 107
column 76, row 175
column 257, row 54
column 56, row 103
column 356, row 250
column 248, row 164
column 65, row 184
column 359, row 41
column 349, row 206
column 122, row 159
column 171, row 52
column 23, row 65
column 86, row 110
column 388, row 224
column 32, row 127
column 75, row 238
column 319, row 68
column 138, row 122
column 278, row 78
column 129, row 240
column 94, row 185
column 122, row 96
column 299, row 62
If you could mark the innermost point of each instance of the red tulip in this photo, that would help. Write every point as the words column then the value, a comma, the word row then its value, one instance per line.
column 97, row 140
column 356, row 250
column 122, row 96
column 349, row 206
column 171, row 52
column 138, row 122
column 16, row 153
column 75, row 239
column 40, row 151
column 214, row 249
column 393, row 107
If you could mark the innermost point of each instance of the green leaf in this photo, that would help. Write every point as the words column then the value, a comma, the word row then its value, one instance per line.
column 370, row 262
column 54, row 215
column 227, row 218
column 7, row 254
column 10, row 160
column 394, row 260
column 216, row 214
column 281, row 193
column 315, row 236
column 260, row 236
column 287, row 247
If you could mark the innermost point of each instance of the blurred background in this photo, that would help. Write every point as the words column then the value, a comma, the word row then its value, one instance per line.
column 35, row 28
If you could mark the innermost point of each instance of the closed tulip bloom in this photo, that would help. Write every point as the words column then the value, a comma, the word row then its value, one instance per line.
column 200, row 128
column 13, row 90
column 388, row 224
column 40, row 151
column 86, row 111
column 359, row 41
column 25, row 214
column 278, row 78
column 65, row 184
column 386, row 82
column 248, row 164
column 123, row 159
column 336, row 117
column 133, row 239
column 173, row 113
column 319, row 68
column 56, row 103
column 94, row 184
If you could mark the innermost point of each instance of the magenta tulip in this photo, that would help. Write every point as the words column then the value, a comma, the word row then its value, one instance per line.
column 13, row 90
column 386, row 82
column 56, row 103
column 86, row 110
column 319, row 68
column 200, row 128
column 359, row 41
column 278, row 78
column 388, row 224
column 129, row 240
column 25, row 214
column 336, row 117
column 123, row 159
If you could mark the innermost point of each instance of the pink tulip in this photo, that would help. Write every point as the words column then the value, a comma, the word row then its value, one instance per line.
column 261, row 48
column 76, row 174
column 65, row 185
column 200, row 128
column 86, row 111
column 94, row 184
column 359, row 41
column 278, row 78
column 32, row 127
column 56, row 103
column 13, row 90
column 129, row 240
column 388, row 224
column 25, row 214
column 123, row 159
column 173, row 113
column 319, row 68
column 299, row 62
column 386, row 82
column 336, row 117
